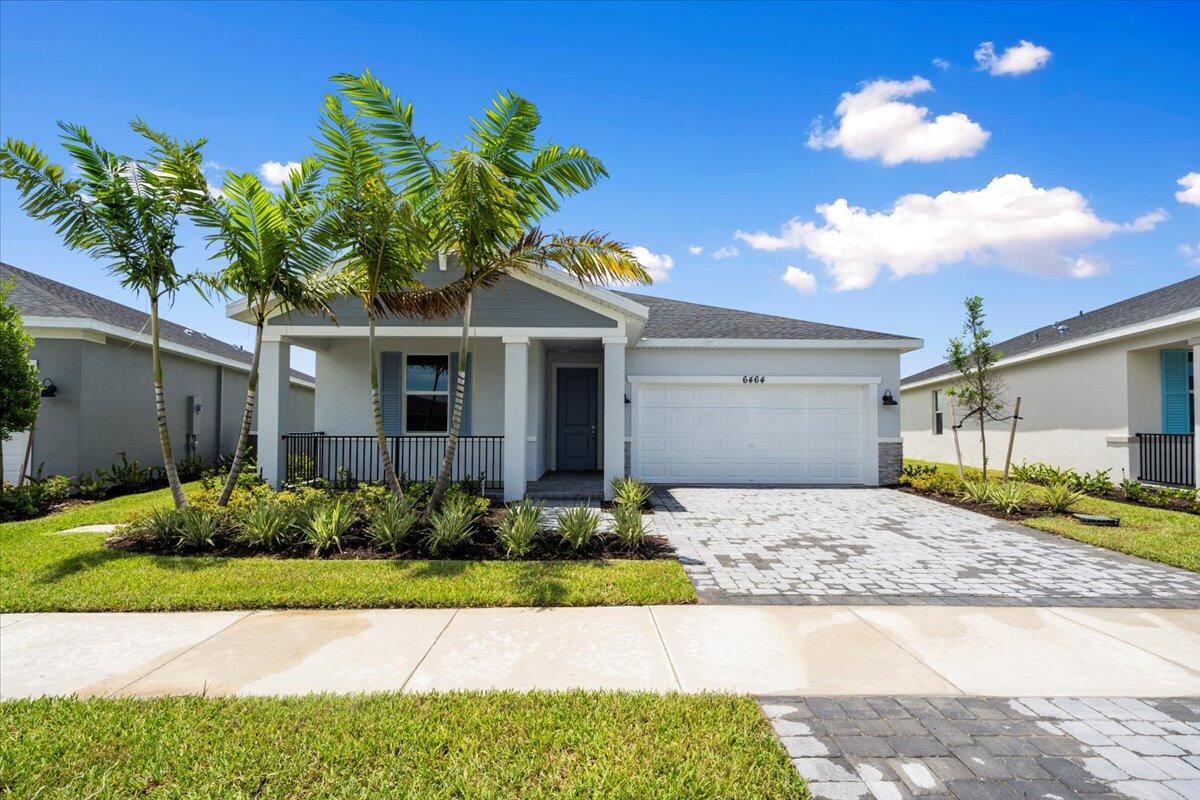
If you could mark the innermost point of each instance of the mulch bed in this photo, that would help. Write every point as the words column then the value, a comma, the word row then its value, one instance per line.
column 1035, row 510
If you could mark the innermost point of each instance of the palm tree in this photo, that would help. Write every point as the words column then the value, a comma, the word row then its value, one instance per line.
column 120, row 209
column 273, row 259
column 380, row 242
column 483, row 203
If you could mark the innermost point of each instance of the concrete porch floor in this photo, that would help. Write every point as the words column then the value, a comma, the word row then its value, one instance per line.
column 556, row 485
column 781, row 651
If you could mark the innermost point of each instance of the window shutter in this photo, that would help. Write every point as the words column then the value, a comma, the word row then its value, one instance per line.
column 1176, row 402
column 464, row 428
column 391, row 392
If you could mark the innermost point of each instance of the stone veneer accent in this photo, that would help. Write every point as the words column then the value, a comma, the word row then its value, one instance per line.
column 891, row 456
column 628, row 458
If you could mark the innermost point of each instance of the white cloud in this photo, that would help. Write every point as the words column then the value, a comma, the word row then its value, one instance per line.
column 275, row 173
column 726, row 252
column 1016, row 60
column 941, row 64
column 1190, row 193
column 803, row 282
column 1190, row 253
column 1087, row 267
column 1010, row 221
column 695, row 249
column 874, row 123
column 657, row 264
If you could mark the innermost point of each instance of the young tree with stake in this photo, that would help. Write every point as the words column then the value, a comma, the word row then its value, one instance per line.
column 979, row 390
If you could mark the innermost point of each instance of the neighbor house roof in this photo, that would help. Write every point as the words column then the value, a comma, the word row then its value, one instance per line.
column 1144, row 308
column 37, row 296
column 676, row 319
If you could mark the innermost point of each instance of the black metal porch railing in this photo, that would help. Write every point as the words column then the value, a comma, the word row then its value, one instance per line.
column 347, row 460
column 1167, row 458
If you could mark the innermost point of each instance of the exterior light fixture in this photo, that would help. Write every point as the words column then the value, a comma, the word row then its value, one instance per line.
column 49, row 389
column 888, row 400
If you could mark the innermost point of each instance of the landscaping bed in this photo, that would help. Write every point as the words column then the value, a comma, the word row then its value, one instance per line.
column 487, row 745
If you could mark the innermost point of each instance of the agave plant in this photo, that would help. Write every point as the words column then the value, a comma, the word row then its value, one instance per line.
column 976, row 492
column 197, row 528
column 519, row 527
column 327, row 525
column 1060, row 498
column 1010, row 497
column 630, row 492
column 629, row 525
column 391, row 523
column 267, row 524
column 578, row 527
column 451, row 526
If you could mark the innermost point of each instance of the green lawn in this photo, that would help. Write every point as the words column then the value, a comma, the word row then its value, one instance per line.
column 1170, row 537
column 41, row 571
column 476, row 745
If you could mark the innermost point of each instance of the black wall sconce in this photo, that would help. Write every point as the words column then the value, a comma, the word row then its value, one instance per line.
column 888, row 400
column 49, row 389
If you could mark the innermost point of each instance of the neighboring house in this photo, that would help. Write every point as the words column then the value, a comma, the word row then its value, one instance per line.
column 1109, row 389
column 568, row 377
column 96, row 353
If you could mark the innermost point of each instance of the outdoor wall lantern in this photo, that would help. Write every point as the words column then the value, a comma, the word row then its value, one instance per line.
column 49, row 389
column 888, row 400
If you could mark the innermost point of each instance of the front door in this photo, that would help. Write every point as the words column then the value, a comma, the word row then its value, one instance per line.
column 577, row 419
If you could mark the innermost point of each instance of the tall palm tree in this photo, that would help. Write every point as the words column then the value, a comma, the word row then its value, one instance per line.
column 273, row 259
column 380, row 242
column 121, row 209
column 483, row 203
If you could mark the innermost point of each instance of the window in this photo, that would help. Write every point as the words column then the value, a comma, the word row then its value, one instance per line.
column 937, row 412
column 426, row 394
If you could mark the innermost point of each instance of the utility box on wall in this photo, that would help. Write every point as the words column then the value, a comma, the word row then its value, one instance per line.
column 195, row 407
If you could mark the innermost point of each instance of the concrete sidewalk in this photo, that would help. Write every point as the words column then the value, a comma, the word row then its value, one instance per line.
column 794, row 651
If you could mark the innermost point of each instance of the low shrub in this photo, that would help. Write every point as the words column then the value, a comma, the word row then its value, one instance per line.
column 1011, row 497
column 630, row 492
column 163, row 524
column 1096, row 483
column 197, row 528
column 917, row 470
column 451, row 526
column 519, row 528
column 326, row 525
column 190, row 468
column 33, row 498
column 944, row 483
column 390, row 521
column 92, row 486
column 1060, row 497
column 1161, row 496
column 976, row 492
column 267, row 524
column 629, row 525
column 578, row 526
column 129, row 476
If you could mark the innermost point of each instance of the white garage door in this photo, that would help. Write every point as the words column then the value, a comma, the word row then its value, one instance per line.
column 750, row 433
column 14, row 454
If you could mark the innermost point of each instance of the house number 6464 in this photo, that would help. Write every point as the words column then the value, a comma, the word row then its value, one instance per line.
column 754, row 379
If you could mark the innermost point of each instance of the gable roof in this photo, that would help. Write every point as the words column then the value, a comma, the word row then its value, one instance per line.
column 1164, row 302
column 676, row 319
column 38, row 296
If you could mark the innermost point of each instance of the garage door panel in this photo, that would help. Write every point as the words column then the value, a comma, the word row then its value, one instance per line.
column 751, row 434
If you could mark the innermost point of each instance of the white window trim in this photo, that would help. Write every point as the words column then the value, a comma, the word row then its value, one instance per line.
column 405, row 392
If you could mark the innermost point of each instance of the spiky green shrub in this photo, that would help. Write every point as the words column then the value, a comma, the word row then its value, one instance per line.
column 1060, row 497
column 976, row 492
column 1010, row 497
column 162, row 524
column 629, row 525
column 630, row 492
column 578, row 527
column 268, row 524
column 519, row 528
column 198, row 528
column 452, row 526
column 390, row 523
column 327, row 525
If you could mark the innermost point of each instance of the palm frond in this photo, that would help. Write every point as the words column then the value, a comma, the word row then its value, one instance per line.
column 505, row 133
column 555, row 173
column 594, row 258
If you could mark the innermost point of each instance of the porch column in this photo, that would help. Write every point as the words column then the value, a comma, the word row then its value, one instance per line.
column 273, row 385
column 516, row 403
column 1195, row 343
column 614, row 411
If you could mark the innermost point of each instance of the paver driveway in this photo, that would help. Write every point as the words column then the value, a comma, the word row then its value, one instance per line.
column 802, row 546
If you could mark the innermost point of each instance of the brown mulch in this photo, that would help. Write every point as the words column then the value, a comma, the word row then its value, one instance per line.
column 1035, row 510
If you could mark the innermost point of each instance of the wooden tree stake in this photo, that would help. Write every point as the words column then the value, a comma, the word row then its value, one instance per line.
column 957, row 449
column 1012, row 435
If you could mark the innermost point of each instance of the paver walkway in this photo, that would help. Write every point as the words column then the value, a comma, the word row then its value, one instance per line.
column 784, row 651
column 975, row 748
column 821, row 546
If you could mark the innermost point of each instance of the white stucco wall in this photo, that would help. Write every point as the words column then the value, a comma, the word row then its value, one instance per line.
column 1071, row 404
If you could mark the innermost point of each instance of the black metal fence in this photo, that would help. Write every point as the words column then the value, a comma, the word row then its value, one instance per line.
column 347, row 460
column 1167, row 458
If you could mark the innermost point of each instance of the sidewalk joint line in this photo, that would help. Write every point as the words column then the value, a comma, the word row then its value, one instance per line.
column 182, row 653
column 1055, row 610
column 666, row 650
column 903, row 646
column 425, row 655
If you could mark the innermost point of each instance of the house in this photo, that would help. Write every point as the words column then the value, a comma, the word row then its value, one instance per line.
column 95, row 354
column 564, row 377
column 1107, row 389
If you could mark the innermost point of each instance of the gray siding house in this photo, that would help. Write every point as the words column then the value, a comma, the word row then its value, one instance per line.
column 97, row 355
column 569, row 378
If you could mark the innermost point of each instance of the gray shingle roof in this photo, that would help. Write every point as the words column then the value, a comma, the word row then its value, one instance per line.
column 38, row 296
column 1163, row 302
column 676, row 319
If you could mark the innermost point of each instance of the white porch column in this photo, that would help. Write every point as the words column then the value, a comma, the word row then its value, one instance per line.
column 273, row 385
column 614, row 411
column 1195, row 343
column 516, row 403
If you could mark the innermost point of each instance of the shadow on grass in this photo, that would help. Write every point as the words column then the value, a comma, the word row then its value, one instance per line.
column 91, row 559
column 537, row 583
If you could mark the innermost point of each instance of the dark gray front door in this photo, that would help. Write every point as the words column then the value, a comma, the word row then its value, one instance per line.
column 577, row 407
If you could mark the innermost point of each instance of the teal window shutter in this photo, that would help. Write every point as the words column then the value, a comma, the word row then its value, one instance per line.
column 1176, row 395
column 391, row 392
column 464, row 428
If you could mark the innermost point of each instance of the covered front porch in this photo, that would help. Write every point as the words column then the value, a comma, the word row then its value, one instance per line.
column 1162, row 413
column 536, row 404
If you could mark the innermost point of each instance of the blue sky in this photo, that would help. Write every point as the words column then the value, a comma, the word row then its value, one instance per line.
column 704, row 116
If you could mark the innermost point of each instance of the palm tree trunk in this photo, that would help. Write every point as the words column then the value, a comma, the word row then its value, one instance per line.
column 160, row 407
column 385, row 455
column 239, row 452
column 460, row 390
